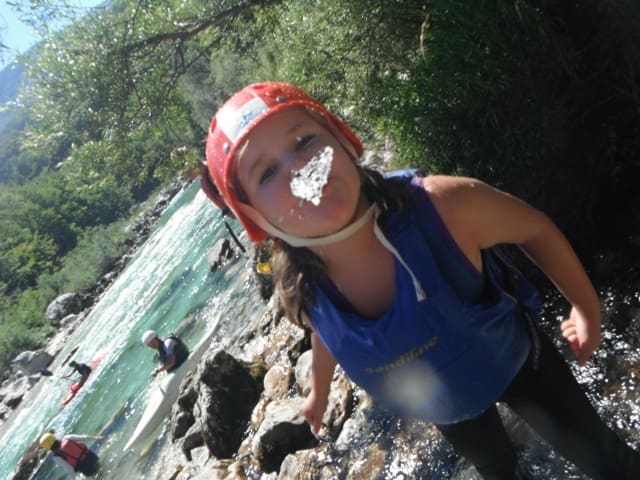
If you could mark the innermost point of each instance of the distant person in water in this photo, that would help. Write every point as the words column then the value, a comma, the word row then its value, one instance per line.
column 70, row 453
column 82, row 368
column 172, row 351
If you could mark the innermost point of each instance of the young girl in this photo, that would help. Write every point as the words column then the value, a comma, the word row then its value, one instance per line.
column 401, row 284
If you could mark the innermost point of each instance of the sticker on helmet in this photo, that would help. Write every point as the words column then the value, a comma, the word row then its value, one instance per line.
column 233, row 122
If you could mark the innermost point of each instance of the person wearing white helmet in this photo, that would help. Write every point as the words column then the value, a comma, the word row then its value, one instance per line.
column 71, row 453
column 172, row 351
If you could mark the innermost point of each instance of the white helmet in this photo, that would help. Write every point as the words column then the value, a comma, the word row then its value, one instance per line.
column 148, row 336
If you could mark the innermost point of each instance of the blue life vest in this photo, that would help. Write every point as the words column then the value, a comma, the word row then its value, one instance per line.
column 444, row 358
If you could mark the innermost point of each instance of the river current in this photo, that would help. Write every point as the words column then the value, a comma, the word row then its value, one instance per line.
column 169, row 287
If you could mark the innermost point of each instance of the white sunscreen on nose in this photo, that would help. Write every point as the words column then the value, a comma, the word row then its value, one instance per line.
column 308, row 182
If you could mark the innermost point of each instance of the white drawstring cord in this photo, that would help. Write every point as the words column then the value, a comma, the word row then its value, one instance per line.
column 420, row 293
column 346, row 232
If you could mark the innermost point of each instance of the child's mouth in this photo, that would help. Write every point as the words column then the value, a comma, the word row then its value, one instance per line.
column 308, row 182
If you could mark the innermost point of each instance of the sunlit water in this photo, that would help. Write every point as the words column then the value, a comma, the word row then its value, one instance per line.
column 168, row 286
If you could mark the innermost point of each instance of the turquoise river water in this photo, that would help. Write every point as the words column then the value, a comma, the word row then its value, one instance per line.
column 168, row 287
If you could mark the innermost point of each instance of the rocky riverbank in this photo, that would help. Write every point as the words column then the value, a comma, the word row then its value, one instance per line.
column 238, row 415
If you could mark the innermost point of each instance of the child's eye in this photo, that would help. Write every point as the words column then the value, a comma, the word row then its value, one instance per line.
column 267, row 174
column 303, row 142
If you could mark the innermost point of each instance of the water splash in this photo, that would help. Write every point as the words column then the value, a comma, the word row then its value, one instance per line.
column 308, row 182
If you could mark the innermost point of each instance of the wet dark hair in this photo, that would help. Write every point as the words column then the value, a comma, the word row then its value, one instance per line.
column 297, row 270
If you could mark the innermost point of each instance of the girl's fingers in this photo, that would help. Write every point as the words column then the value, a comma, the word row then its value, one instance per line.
column 570, row 334
column 312, row 420
column 315, row 424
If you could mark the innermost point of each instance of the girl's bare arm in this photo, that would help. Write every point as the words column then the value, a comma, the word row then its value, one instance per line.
column 479, row 216
column 323, row 365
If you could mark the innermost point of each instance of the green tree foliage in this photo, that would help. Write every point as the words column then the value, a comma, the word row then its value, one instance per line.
column 470, row 93
column 97, row 251
column 42, row 220
column 17, row 164
column 338, row 49
column 538, row 97
column 22, row 322
column 113, row 77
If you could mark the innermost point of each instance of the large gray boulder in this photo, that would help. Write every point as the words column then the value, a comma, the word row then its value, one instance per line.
column 30, row 363
column 11, row 392
column 283, row 431
column 64, row 305
column 216, row 404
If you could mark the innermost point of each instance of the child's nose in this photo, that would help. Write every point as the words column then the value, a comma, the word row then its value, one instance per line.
column 298, row 162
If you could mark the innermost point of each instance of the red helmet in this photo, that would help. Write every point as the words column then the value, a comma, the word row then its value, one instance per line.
column 232, row 124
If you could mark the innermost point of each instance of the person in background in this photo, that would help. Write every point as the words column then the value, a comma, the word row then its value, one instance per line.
column 401, row 281
column 72, row 454
column 82, row 368
column 172, row 352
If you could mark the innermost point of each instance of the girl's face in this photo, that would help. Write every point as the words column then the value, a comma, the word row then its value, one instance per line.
column 281, row 145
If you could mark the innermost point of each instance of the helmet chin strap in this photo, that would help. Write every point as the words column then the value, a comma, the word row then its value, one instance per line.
column 343, row 234
column 296, row 241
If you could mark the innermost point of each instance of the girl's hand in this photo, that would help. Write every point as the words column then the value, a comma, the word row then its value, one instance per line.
column 582, row 334
column 313, row 410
